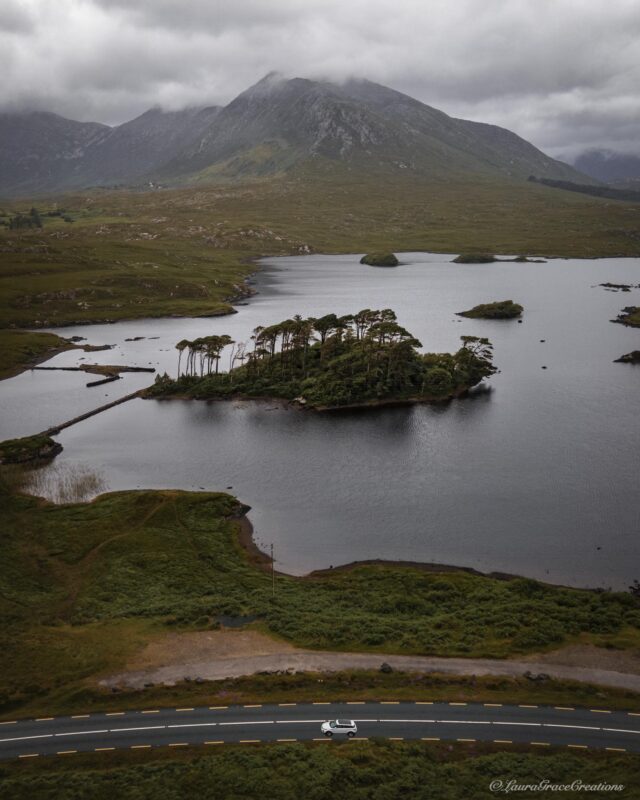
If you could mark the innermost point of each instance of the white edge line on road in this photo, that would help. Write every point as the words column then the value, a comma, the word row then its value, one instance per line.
column 254, row 722
column 525, row 724
column 25, row 738
column 80, row 733
column 196, row 725
column 573, row 727
column 144, row 728
column 619, row 730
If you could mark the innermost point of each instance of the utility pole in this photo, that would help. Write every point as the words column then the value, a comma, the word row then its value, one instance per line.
column 273, row 574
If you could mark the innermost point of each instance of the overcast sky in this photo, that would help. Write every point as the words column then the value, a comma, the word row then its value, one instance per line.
column 564, row 74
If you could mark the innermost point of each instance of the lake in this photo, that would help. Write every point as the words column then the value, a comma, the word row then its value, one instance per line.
column 535, row 473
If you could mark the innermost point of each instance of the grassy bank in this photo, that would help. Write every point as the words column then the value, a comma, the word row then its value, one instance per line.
column 85, row 586
column 376, row 770
column 20, row 349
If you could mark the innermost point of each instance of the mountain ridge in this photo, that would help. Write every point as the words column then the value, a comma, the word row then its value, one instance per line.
column 273, row 126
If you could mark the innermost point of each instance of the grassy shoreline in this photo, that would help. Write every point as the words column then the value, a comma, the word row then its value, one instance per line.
column 85, row 586
column 186, row 252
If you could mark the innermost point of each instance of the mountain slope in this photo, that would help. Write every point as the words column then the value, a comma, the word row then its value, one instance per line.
column 274, row 126
column 361, row 123
column 133, row 150
column 42, row 150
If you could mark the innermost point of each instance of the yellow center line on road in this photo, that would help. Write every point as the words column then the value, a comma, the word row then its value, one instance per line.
column 633, row 713
column 115, row 713
column 503, row 741
column 184, row 709
column 578, row 746
column 360, row 739
column 179, row 744
column 218, row 708
column 44, row 719
column 493, row 705
column 66, row 752
column 457, row 704
column 140, row 746
column 286, row 740
column 616, row 749
column 523, row 705
column 424, row 702
column 322, row 703
column 564, row 708
column 250, row 741
column 29, row 755
column 430, row 739
column 599, row 711
column 103, row 749
column 153, row 711
column 219, row 741
column 282, row 705
column 389, row 702
column 541, row 744
column 10, row 722
column 253, row 705
column 80, row 716
column 396, row 738
column 465, row 740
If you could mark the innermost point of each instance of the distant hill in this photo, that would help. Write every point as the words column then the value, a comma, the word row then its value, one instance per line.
column 610, row 167
column 274, row 126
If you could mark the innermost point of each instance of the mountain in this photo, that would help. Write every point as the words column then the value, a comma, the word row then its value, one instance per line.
column 277, row 123
column 40, row 150
column 132, row 151
column 274, row 126
column 609, row 167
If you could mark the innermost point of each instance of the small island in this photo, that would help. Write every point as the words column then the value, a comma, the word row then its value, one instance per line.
column 629, row 358
column 38, row 448
column 629, row 316
column 474, row 258
column 362, row 359
column 500, row 309
column 380, row 260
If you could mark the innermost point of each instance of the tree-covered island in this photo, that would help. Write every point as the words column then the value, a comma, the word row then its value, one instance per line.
column 500, row 309
column 358, row 359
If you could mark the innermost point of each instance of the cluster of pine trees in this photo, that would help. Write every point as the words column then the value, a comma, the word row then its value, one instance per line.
column 329, row 361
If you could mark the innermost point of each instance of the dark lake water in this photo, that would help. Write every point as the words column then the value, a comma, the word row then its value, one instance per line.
column 536, row 474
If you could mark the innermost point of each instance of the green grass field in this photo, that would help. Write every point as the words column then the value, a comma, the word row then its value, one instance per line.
column 84, row 586
column 376, row 770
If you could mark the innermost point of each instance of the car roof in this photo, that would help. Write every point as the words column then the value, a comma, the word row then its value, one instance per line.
column 345, row 722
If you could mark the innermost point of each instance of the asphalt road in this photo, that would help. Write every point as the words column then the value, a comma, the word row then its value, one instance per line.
column 538, row 726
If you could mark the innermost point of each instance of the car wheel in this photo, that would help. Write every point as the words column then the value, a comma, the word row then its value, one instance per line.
column 351, row 734
column 329, row 734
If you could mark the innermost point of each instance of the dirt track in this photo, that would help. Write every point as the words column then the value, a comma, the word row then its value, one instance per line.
column 213, row 655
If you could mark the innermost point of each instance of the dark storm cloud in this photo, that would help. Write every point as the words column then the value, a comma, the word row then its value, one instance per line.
column 562, row 73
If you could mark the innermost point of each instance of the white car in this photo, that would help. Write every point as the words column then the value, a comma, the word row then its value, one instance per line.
column 339, row 727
